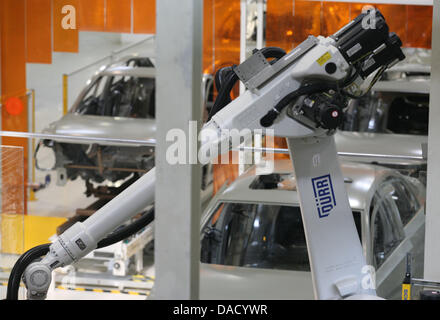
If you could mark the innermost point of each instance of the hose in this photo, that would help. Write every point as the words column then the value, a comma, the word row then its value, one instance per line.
column 226, row 78
column 20, row 266
column 306, row 89
column 127, row 231
column 37, row 252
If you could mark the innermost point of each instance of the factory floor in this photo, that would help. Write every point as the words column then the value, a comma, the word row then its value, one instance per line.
column 54, row 204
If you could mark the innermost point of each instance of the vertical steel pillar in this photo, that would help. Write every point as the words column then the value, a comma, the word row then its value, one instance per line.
column 243, row 35
column 260, row 24
column 178, row 99
column 432, row 236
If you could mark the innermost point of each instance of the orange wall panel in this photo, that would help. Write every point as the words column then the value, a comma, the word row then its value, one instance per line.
column 38, row 31
column 144, row 16
column 224, row 173
column 64, row 40
column 91, row 14
column 13, row 70
column 118, row 16
column 13, row 52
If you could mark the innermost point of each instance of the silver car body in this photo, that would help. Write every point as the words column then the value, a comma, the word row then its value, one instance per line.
column 399, row 151
column 112, row 128
column 362, row 182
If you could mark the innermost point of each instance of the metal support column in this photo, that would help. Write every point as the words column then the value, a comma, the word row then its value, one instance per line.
column 260, row 24
column 243, row 35
column 432, row 237
column 178, row 99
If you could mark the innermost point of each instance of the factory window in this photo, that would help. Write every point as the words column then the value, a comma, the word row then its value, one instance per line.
column 258, row 236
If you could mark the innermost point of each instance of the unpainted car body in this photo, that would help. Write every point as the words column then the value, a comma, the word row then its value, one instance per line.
column 253, row 243
column 391, row 122
column 117, row 104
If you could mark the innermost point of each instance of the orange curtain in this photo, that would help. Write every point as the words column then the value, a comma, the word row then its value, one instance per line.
column 38, row 31
column 396, row 17
column 64, row 40
column 419, row 26
column 13, row 74
column 306, row 20
column 208, row 36
column 279, row 24
column 224, row 173
column 91, row 14
column 290, row 22
column 226, row 33
column 144, row 16
column 334, row 16
column 118, row 16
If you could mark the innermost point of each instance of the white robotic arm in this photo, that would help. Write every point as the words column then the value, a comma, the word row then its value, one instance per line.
column 301, row 96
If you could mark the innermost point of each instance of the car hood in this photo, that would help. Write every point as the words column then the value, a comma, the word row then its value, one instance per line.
column 218, row 282
column 381, row 148
column 90, row 126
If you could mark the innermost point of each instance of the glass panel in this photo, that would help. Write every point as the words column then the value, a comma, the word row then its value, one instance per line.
column 405, row 200
column 387, row 232
column 290, row 22
column 258, row 236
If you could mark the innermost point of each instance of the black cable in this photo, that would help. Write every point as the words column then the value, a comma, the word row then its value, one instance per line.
column 127, row 231
column 273, row 52
column 20, row 266
column 306, row 89
column 31, row 255
column 225, row 81
column 270, row 117
column 226, row 78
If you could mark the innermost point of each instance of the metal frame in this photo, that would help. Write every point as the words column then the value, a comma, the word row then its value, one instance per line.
column 177, row 217
column 432, row 238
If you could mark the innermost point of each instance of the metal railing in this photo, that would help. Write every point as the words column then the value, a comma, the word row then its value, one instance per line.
column 152, row 143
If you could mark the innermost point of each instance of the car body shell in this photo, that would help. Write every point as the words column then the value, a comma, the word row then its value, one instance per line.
column 362, row 181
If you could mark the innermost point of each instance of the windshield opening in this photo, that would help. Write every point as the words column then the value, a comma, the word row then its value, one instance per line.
column 119, row 96
column 258, row 236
